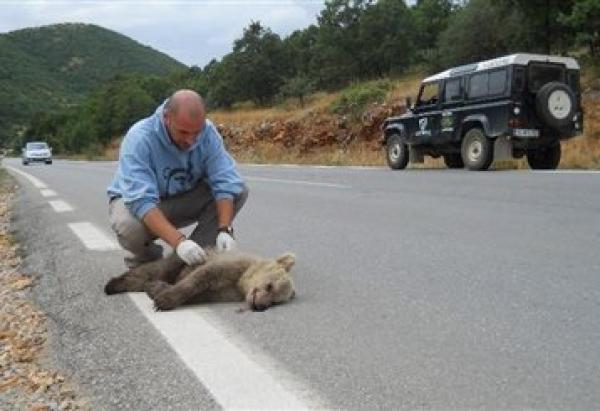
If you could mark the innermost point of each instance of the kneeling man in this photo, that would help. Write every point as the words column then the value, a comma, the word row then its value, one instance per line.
column 173, row 171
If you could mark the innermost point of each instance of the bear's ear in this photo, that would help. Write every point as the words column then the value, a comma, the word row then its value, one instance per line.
column 287, row 260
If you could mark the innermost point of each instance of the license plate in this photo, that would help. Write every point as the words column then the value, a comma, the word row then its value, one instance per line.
column 526, row 132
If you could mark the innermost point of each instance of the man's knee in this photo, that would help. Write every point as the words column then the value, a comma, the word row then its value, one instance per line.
column 131, row 233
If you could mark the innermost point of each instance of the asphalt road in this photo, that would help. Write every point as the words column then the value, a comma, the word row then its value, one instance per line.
column 428, row 289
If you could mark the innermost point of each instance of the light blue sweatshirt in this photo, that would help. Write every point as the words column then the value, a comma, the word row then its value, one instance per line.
column 152, row 168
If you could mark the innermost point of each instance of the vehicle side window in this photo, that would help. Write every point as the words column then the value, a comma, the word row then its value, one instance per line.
column 497, row 83
column 478, row 85
column 429, row 94
column 453, row 90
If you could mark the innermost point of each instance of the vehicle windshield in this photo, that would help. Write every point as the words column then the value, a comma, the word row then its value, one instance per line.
column 540, row 74
column 37, row 146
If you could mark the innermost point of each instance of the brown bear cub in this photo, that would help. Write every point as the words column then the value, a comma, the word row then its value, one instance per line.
column 228, row 276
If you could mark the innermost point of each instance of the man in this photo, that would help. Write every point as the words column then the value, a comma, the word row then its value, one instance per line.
column 174, row 170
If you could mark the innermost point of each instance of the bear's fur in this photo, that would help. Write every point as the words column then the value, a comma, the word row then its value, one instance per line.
column 228, row 276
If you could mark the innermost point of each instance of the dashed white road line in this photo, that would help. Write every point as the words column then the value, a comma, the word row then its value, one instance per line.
column 301, row 182
column 92, row 237
column 46, row 192
column 234, row 379
column 60, row 206
column 33, row 180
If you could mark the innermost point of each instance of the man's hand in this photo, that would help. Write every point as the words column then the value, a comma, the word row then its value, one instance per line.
column 225, row 242
column 190, row 252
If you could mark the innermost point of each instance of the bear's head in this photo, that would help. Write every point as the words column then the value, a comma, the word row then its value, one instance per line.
column 268, row 282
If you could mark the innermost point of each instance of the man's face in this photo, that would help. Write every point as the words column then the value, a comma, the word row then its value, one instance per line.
column 183, row 130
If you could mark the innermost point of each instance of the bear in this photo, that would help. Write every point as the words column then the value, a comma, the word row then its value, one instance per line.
column 223, row 276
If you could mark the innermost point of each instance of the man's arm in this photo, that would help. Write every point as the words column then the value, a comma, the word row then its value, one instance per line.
column 224, row 212
column 158, row 224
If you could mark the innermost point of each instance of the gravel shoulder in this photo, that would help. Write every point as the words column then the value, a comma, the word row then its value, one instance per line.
column 28, row 379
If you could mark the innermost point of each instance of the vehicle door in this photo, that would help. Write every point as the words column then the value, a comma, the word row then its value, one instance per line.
column 427, row 114
column 452, row 101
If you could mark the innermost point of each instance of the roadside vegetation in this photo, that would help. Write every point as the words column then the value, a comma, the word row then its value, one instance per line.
column 317, row 95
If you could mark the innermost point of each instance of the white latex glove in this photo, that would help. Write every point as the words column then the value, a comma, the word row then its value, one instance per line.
column 190, row 252
column 225, row 242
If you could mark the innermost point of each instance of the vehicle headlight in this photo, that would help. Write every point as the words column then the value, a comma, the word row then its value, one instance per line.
column 516, row 111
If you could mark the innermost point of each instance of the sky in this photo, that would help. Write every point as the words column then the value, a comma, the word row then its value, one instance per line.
column 191, row 31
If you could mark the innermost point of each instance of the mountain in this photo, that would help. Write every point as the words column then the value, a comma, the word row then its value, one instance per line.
column 46, row 68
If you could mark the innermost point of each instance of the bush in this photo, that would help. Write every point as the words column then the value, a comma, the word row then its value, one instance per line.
column 354, row 99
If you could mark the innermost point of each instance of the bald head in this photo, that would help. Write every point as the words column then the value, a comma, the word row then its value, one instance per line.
column 185, row 102
column 184, row 116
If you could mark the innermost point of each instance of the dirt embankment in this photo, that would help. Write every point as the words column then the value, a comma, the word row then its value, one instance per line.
column 311, row 130
column 27, row 380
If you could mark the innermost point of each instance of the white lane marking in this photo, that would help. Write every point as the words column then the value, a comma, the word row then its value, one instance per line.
column 33, row 180
column 46, row 192
column 235, row 380
column 92, row 237
column 312, row 166
column 60, row 206
column 566, row 171
column 309, row 183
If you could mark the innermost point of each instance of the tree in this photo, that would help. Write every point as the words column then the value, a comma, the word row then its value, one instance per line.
column 385, row 43
column 584, row 20
column 260, row 63
column 499, row 30
column 546, row 33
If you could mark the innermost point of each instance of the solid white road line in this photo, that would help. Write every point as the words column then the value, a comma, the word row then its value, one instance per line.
column 46, row 192
column 92, row 237
column 235, row 380
column 33, row 180
column 60, row 206
column 566, row 171
column 309, row 183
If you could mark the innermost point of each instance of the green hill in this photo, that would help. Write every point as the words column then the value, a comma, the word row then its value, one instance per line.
column 48, row 68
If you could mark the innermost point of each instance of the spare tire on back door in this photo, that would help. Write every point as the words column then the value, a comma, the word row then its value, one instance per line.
column 555, row 104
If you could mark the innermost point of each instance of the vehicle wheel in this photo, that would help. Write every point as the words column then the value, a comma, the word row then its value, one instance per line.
column 545, row 158
column 453, row 161
column 477, row 150
column 25, row 162
column 555, row 104
column 397, row 152
column 49, row 162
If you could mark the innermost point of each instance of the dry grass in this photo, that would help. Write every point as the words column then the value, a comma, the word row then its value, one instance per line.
column 289, row 109
column 355, row 154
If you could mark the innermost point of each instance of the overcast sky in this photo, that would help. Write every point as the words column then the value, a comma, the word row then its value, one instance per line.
column 191, row 31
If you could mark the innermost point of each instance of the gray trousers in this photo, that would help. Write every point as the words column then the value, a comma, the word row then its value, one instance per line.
column 197, row 205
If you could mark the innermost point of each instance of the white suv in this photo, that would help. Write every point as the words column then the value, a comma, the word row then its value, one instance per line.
column 37, row 151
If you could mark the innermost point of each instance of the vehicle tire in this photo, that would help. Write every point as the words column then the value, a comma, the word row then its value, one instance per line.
column 477, row 151
column 48, row 161
column 544, row 158
column 397, row 152
column 555, row 104
column 453, row 161
column 25, row 162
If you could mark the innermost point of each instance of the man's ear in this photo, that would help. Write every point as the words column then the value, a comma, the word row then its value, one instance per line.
column 286, row 260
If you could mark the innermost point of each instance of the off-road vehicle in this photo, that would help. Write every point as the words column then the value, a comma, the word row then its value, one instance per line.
column 508, row 107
